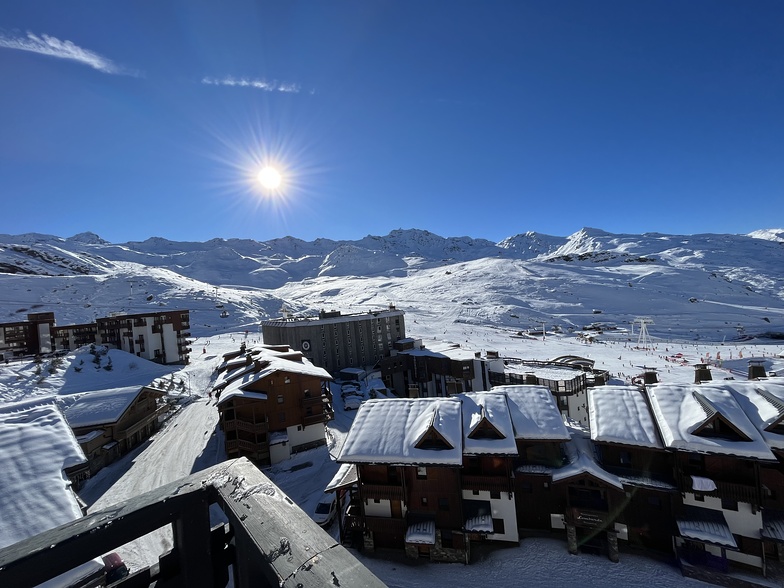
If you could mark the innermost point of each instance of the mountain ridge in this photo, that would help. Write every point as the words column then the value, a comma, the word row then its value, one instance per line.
column 520, row 281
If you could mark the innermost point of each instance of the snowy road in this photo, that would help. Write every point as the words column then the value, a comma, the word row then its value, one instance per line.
column 188, row 443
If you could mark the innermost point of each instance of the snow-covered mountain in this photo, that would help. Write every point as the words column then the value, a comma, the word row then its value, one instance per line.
column 710, row 286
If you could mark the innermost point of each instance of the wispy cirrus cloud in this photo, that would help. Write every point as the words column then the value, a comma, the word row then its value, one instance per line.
column 273, row 86
column 54, row 47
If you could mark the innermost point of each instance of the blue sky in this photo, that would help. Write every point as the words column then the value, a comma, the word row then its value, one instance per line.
column 487, row 119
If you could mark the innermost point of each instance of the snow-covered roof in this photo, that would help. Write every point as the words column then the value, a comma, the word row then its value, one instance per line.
column 345, row 476
column 554, row 374
column 36, row 445
column 480, row 524
column 101, row 406
column 534, row 413
column 267, row 361
column 772, row 525
column 680, row 409
column 582, row 460
column 487, row 409
column 763, row 403
column 235, row 390
column 423, row 532
column 706, row 525
column 389, row 430
column 620, row 414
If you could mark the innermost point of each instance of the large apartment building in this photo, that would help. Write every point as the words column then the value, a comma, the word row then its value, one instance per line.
column 161, row 337
column 335, row 341
column 33, row 336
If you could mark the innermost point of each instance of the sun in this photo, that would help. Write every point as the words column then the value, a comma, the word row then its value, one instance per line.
column 269, row 178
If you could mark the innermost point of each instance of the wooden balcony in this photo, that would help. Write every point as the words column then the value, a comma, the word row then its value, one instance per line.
column 258, row 450
column 247, row 551
column 487, row 483
column 314, row 419
column 747, row 493
column 238, row 425
column 381, row 492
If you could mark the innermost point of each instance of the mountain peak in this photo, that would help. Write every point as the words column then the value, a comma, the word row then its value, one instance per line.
column 87, row 238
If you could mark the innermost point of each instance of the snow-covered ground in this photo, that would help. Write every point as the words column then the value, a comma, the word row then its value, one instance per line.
column 190, row 442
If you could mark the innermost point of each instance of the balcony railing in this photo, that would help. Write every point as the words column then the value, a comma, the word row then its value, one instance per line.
column 381, row 492
column 488, row 483
column 747, row 493
column 267, row 541
column 314, row 419
column 238, row 425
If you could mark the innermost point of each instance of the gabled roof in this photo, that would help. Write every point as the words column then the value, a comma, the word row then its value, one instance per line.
column 36, row 445
column 103, row 407
column 582, row 461
column 487, row 424
column 389, row 431
column 264, row 363
column 683, row 411
column 620, row 414
column 763, row 403
column 534, row 413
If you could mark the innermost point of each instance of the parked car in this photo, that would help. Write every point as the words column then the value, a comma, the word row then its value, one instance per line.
column 114, row 567
column 326, row 509
column 352, row 402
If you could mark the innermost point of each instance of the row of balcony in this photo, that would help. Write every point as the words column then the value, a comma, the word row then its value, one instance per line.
column 239, row 425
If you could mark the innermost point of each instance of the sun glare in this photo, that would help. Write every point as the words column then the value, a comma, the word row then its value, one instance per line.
column 269, row 178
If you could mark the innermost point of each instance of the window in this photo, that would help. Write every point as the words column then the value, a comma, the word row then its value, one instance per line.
column 654, row 501
column 626, row 458
column 494, row 494
column 498, row 526
column 699, row 497
column 475, row 492
column 280, row 398
column 424, row 501
column 729, row 504
column 421, row 473
column 443, row 504
column 282, row 417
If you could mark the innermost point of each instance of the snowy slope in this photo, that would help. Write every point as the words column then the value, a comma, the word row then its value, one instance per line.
column 708, row 287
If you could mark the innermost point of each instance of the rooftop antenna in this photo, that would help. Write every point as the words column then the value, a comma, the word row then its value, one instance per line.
column 644, row 339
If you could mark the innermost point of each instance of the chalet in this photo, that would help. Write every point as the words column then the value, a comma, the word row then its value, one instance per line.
column 109, row 423
column 763, row 403
column 272, row 402
column 408, row 455
column 434, row 475
column 718, row 455
column 627, row 444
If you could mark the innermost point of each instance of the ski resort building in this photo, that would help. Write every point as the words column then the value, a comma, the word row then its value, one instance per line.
column 443, row 369
column 272, row 402
column 567, row 382
column 691, row 470
column 33, row 336
column 109, row 423
column 335, row 341
column 161, row 337
column 434, row 475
